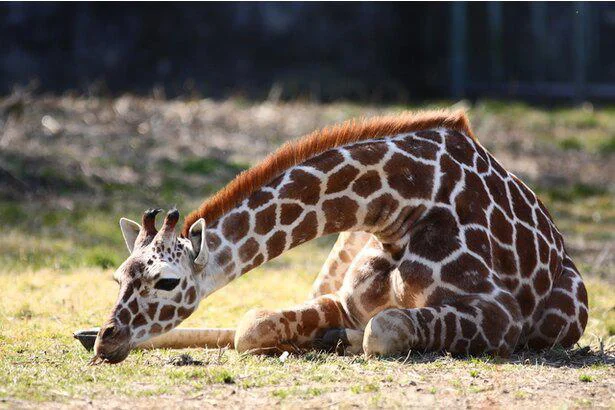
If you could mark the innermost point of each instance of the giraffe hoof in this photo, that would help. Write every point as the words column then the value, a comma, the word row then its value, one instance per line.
column 388, row 334
column 334, row 340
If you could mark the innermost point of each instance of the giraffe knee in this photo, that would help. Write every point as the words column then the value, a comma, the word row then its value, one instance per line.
column 389, row 333
column 257, row 332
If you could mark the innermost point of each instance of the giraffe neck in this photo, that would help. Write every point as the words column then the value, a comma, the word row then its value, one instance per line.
column 349, row 188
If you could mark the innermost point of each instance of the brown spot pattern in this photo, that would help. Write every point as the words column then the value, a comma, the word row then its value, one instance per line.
column 326, row 162
column 124, row 316
column 276, row 244
column 248, row 250
column 467, row 273
column 289, row 213
column 526, row 250
column 236, row 226
column 418, row 148
column 410, row 178
column 259, row 198
column 367, row 184
column 369, row 153
column 167, row 313
column 459, row 147
column 306, row 230
column 139, row 320
column 340, row 180
column 303, row 186
column 416, row 276
column 265, row 220
column 472, row 202
column 379, row 209
column 224, row 256
column 451, row 174
column 521, row 208
column 435, row 236
column 340, row 214
column 478, row 242
column 191, row 295
column 500, row 226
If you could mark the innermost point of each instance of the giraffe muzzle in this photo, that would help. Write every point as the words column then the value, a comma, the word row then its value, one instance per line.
column 112, row 343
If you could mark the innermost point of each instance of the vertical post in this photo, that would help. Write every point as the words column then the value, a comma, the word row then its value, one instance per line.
column 494, row 13
column 458, row 49
column 539, row 34
column 580, row 54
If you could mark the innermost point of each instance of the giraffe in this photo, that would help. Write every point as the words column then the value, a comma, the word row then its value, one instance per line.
column 440, row 249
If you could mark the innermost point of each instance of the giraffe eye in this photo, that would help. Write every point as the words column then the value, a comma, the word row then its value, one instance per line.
column 167, row 284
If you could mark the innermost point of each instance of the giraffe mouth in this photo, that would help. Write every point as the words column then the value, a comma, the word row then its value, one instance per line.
column 87, row 338
column 112, row 357
column 112, row 344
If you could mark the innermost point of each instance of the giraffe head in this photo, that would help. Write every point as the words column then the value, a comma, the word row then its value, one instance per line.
column 160, row 283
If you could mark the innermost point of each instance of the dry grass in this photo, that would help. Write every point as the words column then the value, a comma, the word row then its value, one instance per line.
column 40, row 362
column 64, row 184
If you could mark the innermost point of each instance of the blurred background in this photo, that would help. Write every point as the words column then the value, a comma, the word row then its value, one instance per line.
column 321, row 51
column 108, row 109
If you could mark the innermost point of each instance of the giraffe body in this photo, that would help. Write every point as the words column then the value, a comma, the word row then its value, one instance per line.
column 441, row 249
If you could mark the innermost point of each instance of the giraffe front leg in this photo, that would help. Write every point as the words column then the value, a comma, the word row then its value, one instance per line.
column 294, row 330
column 343, row 341
column 467, row 325
column 182, row 338
column 331, row 275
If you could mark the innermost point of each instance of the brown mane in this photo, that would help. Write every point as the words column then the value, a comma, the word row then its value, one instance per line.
column 302, row 149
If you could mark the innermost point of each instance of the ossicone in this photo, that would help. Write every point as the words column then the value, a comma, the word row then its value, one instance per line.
column 148, row 221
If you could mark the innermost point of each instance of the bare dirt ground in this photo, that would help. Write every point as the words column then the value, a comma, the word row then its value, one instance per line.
column 434, row 382
column 69, row 167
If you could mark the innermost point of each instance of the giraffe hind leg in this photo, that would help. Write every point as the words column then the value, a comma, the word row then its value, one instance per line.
column 466, row 325
column 564, row 317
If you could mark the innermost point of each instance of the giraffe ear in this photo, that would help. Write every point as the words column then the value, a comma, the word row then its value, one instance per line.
column 199, row 245
column 130, row 231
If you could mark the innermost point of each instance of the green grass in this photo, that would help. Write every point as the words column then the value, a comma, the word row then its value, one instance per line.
column 571, row 144
column 586, row 378
column 571, row 128
column 41, row 362
column 607, row 146
column 209, row 165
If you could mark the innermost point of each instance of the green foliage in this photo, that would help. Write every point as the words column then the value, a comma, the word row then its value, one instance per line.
column 571, row 193
column 210, row 165
column 586, row 378
column 103, row 258
column 224, row 376
column 364, row 388
column 11, row 213
column 571, row 144
column 607, row 146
